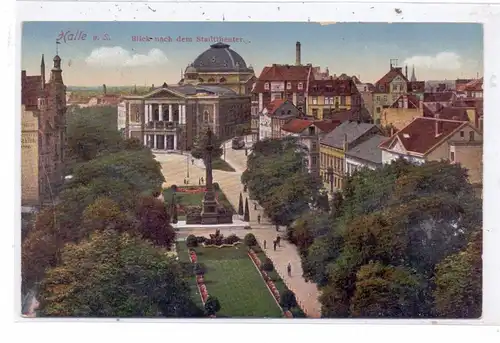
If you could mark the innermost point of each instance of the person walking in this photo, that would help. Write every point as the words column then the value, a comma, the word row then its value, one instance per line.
column 289, row 269
column 265, row 244
column 258, row 219
column 192, row 161
column 274, row 245
column 278, row 240
column 255, row 206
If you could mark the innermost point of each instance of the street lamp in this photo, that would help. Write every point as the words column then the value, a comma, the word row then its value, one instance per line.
column 329, row 172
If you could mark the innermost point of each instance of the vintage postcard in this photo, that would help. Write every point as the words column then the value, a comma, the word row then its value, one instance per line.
column 252, row 170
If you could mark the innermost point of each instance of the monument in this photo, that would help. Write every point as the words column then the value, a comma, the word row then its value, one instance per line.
column 211, row 211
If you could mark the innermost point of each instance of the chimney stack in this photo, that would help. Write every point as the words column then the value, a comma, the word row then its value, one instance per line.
column 439, row 125
column 297, row 54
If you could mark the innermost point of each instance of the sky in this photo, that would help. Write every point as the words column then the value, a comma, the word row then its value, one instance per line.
column 438, row 51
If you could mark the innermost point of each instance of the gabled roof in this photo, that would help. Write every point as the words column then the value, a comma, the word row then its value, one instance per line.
column 439, row 97
column 284, row 72
column 349, row 130
column 413, row 101
column 419, row 136
column 274, row 105
column 296, row 125
column 368, row 150
column 474, row 85
column 326, row 126
column 382, row 85
column 452, row 113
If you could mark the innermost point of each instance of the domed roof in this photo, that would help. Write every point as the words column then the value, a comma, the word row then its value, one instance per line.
column 191, row 69
column 219, row 58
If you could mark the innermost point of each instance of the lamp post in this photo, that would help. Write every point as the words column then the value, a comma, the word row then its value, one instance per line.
column 329, row 172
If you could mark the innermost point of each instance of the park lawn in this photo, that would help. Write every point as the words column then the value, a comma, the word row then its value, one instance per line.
column 182, row 252
column 232, row 277
column 220, row 164
column 189, row 199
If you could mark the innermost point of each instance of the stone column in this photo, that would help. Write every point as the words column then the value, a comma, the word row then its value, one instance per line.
column 175, row 141
column 145, row 139
column 160, row 111
column 146, row 113
column 170, row 114
column 165, row 142
column 183, row 114
column 154, row 142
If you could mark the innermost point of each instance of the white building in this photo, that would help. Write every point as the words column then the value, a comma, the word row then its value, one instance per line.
column 265, row 125
column 122, row 116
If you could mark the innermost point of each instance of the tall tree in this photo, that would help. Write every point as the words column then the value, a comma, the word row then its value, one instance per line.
column 199, row 149
column 115, row 275
column 246, row 216
column 154, row 221
column 240, row 205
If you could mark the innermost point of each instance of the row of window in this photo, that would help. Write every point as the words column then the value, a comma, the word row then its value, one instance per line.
column 336, row 163
column 329, row 101
column 332, row 179
column 300, row 86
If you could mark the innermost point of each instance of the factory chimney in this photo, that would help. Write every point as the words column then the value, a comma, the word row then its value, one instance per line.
column 297, row 54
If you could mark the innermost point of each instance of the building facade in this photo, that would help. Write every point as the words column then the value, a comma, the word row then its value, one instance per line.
column 274, row 115
column 366, row 154
column 43, row 135
column 170, row 118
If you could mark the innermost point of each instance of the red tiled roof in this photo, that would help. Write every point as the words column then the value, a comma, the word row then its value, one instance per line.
column 452, row 113
column 439, row 97
column 475, row 85
column 284, row 72
column 296, row 125
column 382, row 85
column 274, row 105
column 327, row 125
column 419, row 136
column 461, row 83
column 345, row 115
column 332, row 87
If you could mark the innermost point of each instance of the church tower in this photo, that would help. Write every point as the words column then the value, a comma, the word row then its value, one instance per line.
column 413, row 78
column 42, row 72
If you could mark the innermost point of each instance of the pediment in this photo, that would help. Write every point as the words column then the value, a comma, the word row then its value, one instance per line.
column 163, row 94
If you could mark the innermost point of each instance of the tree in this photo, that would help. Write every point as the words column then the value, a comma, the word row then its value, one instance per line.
column 154, row 221
column 240, row 205
column 105, row 214
column 212, row 306
column 199, row 149
column 246, row 216
column 115, row 275
column 288, row 300
column 458, row 292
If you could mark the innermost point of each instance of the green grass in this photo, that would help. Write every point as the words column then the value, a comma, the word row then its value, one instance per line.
column 233, row 279
column 220, row 164
column 188, row 199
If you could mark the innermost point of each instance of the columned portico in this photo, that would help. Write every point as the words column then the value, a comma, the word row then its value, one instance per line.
column 170, row 112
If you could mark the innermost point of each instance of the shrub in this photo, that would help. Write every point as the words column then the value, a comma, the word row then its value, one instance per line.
column 231, row 239
column 257, row 249
column 267, row 265
column 201, row 239
column 191, row 241
column 212, row 305
column 250, row 240
column 288, row 300
column 209, row 241
column 199, row 268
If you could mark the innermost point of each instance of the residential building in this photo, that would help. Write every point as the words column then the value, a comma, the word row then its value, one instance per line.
column 43, row 135
column 220, row 65
column 122, row 117
column 474, row 89
column 331, row 95
column 254, row 127
column 435, row 139
column 170, row 117
column 366, row 154
column 387, row 90
column 434, row 102
column 308, row 134
column 401, row 112
column 333, row 147
column 366, row 93
column 274, row 115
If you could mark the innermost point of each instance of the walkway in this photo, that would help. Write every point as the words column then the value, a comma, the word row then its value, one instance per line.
column 174, row 168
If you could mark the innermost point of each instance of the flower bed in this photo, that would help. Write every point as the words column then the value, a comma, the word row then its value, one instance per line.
column 220, row 246
column 200, row 280
column 270, row 284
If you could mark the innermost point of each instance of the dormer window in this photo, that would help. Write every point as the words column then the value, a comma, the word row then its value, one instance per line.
column 382, row 88
column 266, row 86
column 300, row 86
column 213, row 59
column 288, row 85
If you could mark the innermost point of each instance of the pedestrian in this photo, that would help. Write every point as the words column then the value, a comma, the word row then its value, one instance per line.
column 265, row 244
column 192, row 161
column 278, row 240
column 274, row 245
column 258, row 219
column 202, row 180
column 255, row 206
column 289, row 269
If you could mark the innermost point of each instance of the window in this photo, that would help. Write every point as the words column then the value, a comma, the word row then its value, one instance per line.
column 315, row 100
column 385, row 98
column 462, row 134
column 471, row 136
column 314, row 161
column 342, row 100
column 377, row 98
column 314, row 146
column 382, row 88
column 315, row 112
column 288, row 85
column 301, row 86
column 266, row 86
column 378, row 109
column 452, row 156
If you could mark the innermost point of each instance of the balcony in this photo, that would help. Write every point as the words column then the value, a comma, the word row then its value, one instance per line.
column 162, row 125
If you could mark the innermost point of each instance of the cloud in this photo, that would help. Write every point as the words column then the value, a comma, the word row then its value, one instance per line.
column 118, row 57
column 441, row 61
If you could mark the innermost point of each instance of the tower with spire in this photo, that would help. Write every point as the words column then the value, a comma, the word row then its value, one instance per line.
column 42, row 73
column 413, row 77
